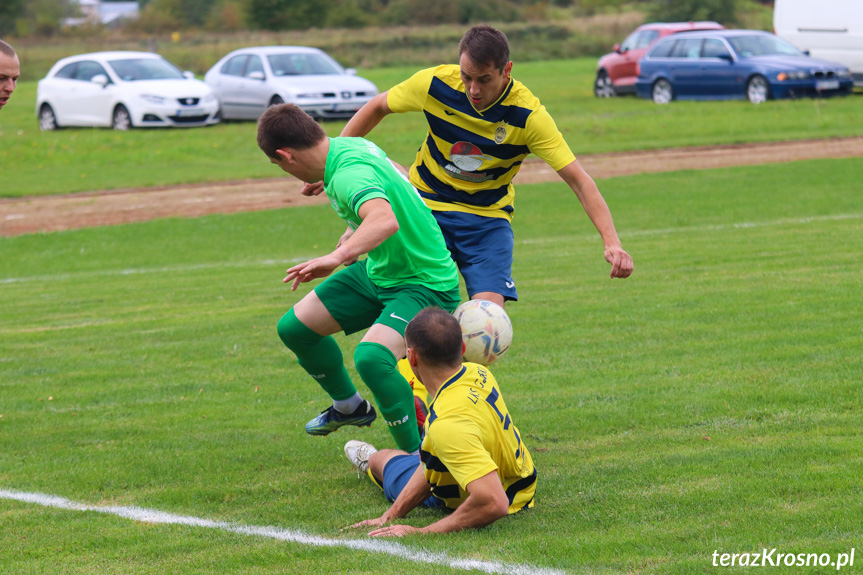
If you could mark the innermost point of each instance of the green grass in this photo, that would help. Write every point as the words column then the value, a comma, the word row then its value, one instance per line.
column 709, row 402
column 76, row 160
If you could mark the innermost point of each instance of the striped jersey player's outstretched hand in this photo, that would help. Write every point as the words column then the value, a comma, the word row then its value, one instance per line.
column 621, row 262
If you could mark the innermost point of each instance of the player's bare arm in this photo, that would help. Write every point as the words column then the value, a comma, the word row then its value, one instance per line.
column 378, row 223
column 415, row 492
column 597, row 210
column 369, row 116
column 345, row 237
column 486, row 503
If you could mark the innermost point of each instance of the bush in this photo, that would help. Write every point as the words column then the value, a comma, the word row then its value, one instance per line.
column 722, row 11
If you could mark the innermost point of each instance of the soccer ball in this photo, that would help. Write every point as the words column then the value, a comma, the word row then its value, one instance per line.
column 486, row 330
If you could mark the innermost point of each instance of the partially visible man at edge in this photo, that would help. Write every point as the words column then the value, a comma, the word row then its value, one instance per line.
column 10, row 70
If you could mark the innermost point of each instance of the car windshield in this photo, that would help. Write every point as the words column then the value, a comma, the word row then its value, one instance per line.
column 761, row 45
column 132, row 70
column 303, row 64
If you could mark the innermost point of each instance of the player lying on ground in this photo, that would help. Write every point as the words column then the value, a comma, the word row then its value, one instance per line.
column 408, row 268
column 472, row 460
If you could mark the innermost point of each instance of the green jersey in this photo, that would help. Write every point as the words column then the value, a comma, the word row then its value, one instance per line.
column 357, row 171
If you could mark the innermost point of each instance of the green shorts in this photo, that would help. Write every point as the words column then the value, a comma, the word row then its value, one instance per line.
column 357, row 303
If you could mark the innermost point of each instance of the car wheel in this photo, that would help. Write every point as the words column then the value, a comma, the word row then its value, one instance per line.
column 121, row 120
column 757, row 90
column 276, row 100
column 663, row 93
column 602, row 87
column 47, row 118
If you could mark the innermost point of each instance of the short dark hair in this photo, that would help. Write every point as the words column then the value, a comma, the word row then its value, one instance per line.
column 287, row 126
column 436, row 336
column 5, row 48
column 485, row 45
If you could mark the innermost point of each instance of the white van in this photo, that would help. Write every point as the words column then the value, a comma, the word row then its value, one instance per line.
column 827, row 29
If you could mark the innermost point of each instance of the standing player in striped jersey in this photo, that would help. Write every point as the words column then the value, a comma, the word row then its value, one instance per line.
column 482, row 124
column 472, row 460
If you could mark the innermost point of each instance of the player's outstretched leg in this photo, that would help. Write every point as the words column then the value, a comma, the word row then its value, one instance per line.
column 376, row 364
column 321, row 357
column 331, row 419
column 367, row 460
column 359, row 453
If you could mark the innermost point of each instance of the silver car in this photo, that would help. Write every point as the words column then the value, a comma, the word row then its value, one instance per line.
column 249, row 80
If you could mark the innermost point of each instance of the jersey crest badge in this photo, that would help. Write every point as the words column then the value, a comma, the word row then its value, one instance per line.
column 500, row 134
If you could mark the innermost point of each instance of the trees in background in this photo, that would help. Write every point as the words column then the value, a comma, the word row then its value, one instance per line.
column 43, row 17
column 10, row 10
column 723, row 11
column 34, row 17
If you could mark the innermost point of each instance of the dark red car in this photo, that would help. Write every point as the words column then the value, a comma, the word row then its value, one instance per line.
column 616, row 72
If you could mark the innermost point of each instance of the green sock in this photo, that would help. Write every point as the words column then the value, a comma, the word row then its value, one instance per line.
column 377, row 366
column 320, row 356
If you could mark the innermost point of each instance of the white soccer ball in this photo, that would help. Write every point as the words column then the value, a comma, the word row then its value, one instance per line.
column 486, row 330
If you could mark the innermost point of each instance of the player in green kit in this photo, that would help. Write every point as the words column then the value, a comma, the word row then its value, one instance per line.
column 407, row 268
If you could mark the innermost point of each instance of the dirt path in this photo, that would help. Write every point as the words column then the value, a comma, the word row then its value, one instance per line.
column 54, row 213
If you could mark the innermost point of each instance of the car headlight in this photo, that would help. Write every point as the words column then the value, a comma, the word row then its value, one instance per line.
column 843, row 73
column 315, row 95
column 154, row 99
column 208, row 99
column 796, row 75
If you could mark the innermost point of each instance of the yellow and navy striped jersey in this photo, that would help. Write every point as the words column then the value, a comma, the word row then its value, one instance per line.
column 469, row 158
column 469, row 434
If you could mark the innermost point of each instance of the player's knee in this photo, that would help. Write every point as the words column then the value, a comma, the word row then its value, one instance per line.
column 294, row 333
column 374, row 362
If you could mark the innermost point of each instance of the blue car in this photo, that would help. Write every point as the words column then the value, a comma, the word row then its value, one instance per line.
column 735, row 64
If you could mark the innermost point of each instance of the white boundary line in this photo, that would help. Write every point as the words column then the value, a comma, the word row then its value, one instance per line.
column 394, row 549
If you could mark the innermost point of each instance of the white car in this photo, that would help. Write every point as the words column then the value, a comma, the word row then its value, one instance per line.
column 122, row 90
column 249, row 80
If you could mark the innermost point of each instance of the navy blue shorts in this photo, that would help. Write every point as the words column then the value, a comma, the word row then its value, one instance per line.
column 482, row 249
column 397, row 473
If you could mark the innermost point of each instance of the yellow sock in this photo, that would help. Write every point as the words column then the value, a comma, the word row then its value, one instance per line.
column 416, row 385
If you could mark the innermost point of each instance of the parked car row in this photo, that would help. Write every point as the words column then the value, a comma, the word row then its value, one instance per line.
column 122, row 90
column 616, row 72
column 706, row 62
column 661, row 61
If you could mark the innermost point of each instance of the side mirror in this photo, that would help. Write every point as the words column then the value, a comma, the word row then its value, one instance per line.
column 100, row 79
column 616, row 48
column 726, row 56
column 188, row 74
column 351, row 71
column 256, row 76
column 806, row 53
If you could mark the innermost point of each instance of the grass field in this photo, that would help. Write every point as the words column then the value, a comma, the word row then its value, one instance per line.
column 77, row 160
column 711, row 402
